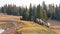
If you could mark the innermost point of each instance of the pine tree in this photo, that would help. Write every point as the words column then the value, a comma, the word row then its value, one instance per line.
column 14, row 10
column 20, row 11
column 30, row 13
column 44, row 15
column 25, row 14
column 38, row 11
column 44, row 6
column 34, row 12
column 5, row 8
column 45, row 9
column 51, row 11
column 9, row 10
column 57, row 12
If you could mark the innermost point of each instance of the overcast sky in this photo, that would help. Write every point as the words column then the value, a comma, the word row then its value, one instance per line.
column 27, row 2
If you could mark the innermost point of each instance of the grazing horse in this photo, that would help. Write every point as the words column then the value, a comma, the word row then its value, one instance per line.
column 48, row 24
column 39, row 21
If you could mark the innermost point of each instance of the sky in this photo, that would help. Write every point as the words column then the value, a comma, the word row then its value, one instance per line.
column 27, row 2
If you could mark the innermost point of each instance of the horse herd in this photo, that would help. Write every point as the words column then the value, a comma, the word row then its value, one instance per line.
column 41, row 22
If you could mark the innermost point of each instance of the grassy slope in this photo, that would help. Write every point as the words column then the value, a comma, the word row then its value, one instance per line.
column 33, row 28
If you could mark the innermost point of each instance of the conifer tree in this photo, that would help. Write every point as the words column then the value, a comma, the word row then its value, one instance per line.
column 25, row 14
column 30, row 13
column 38, row 11
column 34, row 12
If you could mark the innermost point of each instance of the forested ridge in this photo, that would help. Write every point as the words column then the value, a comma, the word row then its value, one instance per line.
column 43, row 11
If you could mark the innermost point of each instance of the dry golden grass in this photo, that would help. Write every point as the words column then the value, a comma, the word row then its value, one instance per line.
column 26, row 27
column 56, row 26
column 57, row 31
column 31, row 28
column 9, row 17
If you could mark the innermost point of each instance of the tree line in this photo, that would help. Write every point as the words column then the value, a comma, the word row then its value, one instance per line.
column 43, row 11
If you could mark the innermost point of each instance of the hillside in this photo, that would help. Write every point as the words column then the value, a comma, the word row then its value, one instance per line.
column 33, row 28
column 12, row 24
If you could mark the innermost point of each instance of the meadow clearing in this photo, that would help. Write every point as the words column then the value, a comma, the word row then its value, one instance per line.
column 24, row 27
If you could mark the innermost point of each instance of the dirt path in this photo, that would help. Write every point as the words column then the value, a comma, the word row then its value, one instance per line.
column 9, row 21
column 11, row 30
